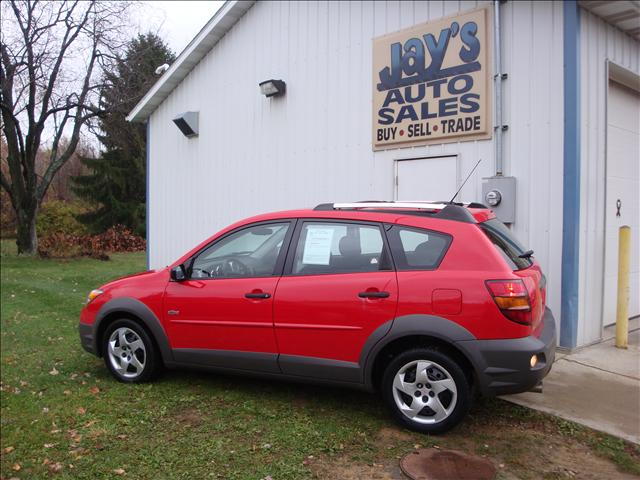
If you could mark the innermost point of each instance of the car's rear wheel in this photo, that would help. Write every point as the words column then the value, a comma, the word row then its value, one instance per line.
column 129, row 352
column 426, row 390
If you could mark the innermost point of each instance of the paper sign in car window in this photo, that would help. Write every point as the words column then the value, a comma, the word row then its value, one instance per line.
column 317, row 246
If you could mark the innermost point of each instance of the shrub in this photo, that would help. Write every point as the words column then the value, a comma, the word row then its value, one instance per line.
column 56, row 216
column 67, row 245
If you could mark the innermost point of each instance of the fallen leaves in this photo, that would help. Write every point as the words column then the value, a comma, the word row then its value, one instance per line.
column 94, row 390
column 81, row 410
column 119, row 471
column 53, row 467
column 9, row 449
column 16, row 467
column 54, row 371
column 74, row 435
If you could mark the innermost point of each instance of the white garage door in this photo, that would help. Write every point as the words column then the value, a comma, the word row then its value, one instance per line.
column 433, row 178
column 623, row 185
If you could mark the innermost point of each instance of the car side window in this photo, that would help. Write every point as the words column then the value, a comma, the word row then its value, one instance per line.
column 250, row 252
column 417, row 249
column 325, row 248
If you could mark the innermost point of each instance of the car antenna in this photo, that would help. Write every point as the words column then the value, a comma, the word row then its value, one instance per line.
column 465, row 181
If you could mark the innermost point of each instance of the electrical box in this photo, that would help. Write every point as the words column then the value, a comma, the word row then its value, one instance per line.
column 499, row 194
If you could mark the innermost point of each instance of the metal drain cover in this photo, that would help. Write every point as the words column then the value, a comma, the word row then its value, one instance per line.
column 435, row 464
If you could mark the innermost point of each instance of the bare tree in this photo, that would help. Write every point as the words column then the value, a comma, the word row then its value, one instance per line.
column 51, row 56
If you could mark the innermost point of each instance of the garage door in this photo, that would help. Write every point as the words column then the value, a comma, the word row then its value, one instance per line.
column 433, row 178
column 623, row 187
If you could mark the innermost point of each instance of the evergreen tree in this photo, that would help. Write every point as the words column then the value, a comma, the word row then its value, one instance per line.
column 116, row 184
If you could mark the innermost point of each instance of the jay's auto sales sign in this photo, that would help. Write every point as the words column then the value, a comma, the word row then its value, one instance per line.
column 431, row 82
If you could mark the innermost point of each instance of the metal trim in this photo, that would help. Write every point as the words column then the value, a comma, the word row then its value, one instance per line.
column 148, row 182
column 570, row 307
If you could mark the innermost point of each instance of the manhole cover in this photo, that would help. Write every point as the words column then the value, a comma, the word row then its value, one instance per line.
column 433, row 464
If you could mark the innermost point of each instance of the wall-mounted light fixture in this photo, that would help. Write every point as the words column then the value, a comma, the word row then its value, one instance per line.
column 187, row 123
column 272, row 88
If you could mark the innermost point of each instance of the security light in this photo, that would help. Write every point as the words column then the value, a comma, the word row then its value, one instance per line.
column 187, row 123
column 272, row 88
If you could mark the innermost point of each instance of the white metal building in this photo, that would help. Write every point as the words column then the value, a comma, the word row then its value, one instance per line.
column 569, row 126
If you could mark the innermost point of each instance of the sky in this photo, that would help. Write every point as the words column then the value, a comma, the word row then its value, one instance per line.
column 177, row 22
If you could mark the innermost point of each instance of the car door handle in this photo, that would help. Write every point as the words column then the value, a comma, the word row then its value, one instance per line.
column 257, row 295
column 373, row 294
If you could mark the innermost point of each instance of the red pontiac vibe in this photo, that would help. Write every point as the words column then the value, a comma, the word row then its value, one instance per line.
column 427, row 303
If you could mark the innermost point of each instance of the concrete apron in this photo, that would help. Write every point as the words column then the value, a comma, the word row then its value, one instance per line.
column 597, row 386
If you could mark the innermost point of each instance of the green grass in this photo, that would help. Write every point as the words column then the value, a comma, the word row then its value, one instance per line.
column 62, row 413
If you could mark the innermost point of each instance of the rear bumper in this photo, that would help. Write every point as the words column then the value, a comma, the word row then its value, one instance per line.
column 86, row 337
column 503, row 366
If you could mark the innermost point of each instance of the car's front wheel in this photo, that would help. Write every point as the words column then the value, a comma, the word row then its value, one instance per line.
column 426, row 390
column 129, row 352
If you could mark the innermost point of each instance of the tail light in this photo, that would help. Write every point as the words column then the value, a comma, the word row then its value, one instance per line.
column 512, row 299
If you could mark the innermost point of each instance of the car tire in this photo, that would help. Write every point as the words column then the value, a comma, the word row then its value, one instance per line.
column 130, row 353
column 426, row 390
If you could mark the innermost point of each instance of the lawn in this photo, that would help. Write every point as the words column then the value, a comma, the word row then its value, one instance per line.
column 62, row 415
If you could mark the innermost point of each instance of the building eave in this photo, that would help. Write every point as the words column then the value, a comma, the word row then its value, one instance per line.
column 223, row 20
column 622, row 14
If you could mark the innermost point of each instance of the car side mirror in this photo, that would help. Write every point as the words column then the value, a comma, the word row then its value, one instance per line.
column 178, row 274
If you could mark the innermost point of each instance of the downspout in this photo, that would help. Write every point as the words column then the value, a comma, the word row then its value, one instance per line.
column 497, row 82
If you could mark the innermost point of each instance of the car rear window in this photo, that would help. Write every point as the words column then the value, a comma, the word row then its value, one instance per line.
column 417, row 249
column 506, row 243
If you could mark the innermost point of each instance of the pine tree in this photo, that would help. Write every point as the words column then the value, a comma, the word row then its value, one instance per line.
column 116, row 184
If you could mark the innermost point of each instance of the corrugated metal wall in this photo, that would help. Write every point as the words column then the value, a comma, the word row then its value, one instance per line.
column 314, row 145
column 599, row 42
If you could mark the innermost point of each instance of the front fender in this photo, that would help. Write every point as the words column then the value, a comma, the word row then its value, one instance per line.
column 130, row 306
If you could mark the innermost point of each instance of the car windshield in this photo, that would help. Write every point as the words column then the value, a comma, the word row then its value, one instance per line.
column 506, row 243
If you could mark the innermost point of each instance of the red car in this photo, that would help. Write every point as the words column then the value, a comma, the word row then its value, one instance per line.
column 426, row 303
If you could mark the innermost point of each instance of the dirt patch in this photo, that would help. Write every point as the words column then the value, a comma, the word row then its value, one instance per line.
column 578, row 461
column 189, row 418
column 391, row 436
column 516, row 451
column 344, row 468
column 535, row 454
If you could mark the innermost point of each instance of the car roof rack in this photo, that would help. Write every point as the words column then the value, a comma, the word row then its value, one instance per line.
column 436, row 209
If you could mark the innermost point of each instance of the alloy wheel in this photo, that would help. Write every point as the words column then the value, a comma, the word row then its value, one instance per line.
column 127, row 353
